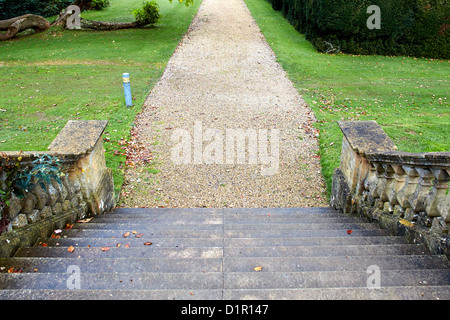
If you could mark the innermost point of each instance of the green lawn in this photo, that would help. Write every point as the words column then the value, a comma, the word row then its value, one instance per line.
column 59, row 75
column 408, row 97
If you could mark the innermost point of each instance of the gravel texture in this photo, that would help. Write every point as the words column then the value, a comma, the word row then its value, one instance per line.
column 224, row 75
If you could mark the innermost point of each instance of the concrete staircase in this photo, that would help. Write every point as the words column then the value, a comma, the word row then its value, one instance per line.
column 282, row 253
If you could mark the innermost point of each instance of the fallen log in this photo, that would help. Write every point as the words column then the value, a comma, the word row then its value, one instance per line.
column 15, row 25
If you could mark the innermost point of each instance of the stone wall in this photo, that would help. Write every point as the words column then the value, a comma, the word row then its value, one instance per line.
column 405, row 192
column 86, row 187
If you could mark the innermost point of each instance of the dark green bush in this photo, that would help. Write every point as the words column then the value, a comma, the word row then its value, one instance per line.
column 46, row 8
column 408, row 27
column 148, row 14
column 99, row 4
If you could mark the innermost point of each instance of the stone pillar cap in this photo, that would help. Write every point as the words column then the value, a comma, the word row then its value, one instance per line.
column 365, row 136
column 78, row 137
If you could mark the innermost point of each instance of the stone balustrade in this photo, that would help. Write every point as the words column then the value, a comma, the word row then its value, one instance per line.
column 408, row 193
column 85, row 187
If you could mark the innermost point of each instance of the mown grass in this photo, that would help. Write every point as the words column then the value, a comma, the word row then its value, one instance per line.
column 408, row 97
column 60, row 75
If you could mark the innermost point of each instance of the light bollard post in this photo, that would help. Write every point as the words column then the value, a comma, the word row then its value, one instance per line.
column 127, row 89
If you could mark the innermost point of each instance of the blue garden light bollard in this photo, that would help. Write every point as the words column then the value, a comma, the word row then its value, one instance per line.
column 127, row 89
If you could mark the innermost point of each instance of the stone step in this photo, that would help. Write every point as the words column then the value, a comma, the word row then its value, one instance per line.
column 124, row 294
column 228, row 226
column 132, row 241
column 149, row 251
column 216, row 234
column 157, row 233
column 107, row 265
column 114, row 281
column 273, row 212
column 304, row 233
column 217, row 280
column 220, row 211
column 316, row 251
column 210, row 252
column 333, row 279
column 228, row 242
column 229, row 264
column 384, row 293
column 334, row 263
column 216, row 219
column 166, row 211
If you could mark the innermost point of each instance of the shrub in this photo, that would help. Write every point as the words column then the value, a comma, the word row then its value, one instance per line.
column 408, row 27
column 99, row 4
column 13, row 8
column 148, row 14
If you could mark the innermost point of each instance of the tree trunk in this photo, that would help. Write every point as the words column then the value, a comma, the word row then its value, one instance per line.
column 95, row 25
column 15, row 25
column 100, row 25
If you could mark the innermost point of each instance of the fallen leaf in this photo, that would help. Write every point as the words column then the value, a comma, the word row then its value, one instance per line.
column 127, row 246
column 406, row 223
column 118, row 245
column 71, row 249
column 349, row 231
column 69, row 226
column 126, row 234
column 84, row 220
column 257, row 268
column 133, row 232
column 105, row 248
column 11, row 270
column 139, row 235
column 148, row 243
column 43, row 244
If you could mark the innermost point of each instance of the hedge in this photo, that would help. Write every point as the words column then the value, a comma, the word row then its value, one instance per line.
column 418, row 28
column 45, row 8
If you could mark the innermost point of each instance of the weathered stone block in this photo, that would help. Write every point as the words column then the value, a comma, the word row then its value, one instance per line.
column 3, row 177
column 341, row 198
column 76, row 199
column 66, row 205
column 46, row 212
column 53, row 194
column 57, row 208
column 62, row 192
column 15, row 205
column 19, row 221
column 33, row 216
column 28, row 203
column 41, row 196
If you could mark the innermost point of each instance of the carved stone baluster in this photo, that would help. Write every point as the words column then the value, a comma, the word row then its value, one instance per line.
column 444, row 206
column 370, row 181
column 379, row 182
column 425, row 183
column 400, row 177
column 410, row 185
column 437, row 193
column 388, row 182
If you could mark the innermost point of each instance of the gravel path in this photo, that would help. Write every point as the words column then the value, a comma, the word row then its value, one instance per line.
column 224, row 77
